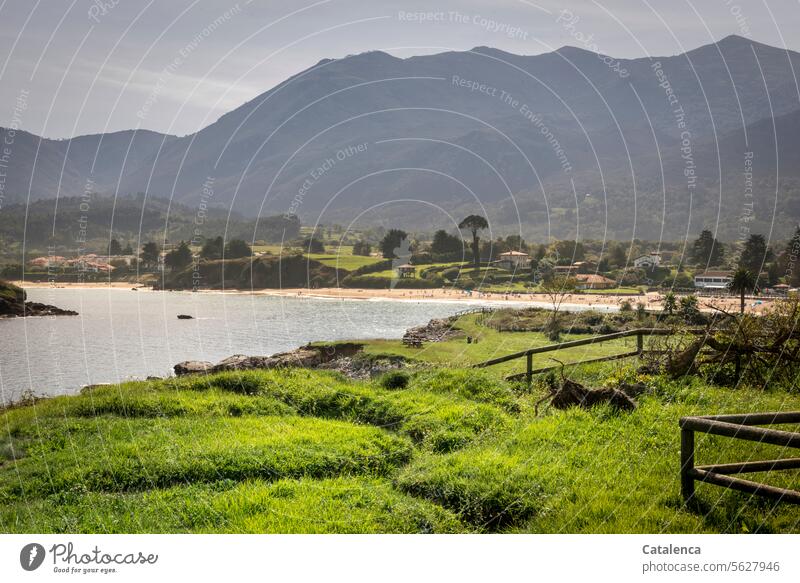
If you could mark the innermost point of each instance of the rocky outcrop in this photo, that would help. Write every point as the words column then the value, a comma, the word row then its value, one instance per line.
column 364, row 368
column 304, row 357
column 192, row 367
column 437, row 330
column 13, row 304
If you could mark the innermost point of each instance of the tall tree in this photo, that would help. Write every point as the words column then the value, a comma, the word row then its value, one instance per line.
column 178, row 258
column 362, row 248
column 742, row 283
column 755, row 254
column 114, row 248
column 444, row 243
column 568, row 252
column 617, row 254
column 706, row 250
column 212, row 248
column 237, row 248
column 150, row 253
column 474, row 224
column 391, row 242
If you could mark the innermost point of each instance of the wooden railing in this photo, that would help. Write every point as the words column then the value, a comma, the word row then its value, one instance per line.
column 640, row 333
column 739, row 427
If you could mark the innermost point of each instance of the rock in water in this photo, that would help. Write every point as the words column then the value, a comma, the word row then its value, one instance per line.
column 185, row 317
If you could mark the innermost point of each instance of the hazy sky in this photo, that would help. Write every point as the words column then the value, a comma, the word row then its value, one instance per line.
column 71, row 67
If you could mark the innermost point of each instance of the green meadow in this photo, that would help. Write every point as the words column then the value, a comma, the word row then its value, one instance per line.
column 300, row 451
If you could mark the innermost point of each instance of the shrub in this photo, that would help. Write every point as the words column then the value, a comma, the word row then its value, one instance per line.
column 394, row 380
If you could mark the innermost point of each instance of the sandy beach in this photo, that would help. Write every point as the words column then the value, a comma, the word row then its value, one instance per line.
column 83, row 285
column 651, row 300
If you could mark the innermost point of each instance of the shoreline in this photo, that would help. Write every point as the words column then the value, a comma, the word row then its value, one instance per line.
column 651, row 300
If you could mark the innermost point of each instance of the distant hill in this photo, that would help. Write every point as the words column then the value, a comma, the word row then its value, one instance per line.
column 419, row 142
column 89, row 223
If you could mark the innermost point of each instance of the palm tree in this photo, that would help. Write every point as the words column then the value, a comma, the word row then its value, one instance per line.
column 742, row 282
column 475, row 223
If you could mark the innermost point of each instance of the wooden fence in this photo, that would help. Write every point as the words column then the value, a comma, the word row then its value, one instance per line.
column 739, row 427
column 640, row 333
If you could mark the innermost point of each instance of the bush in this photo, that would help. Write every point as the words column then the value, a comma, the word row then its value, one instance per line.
column 395, row 379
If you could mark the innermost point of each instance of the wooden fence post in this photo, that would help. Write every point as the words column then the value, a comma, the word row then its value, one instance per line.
column 529, row 369
column 687, row 464
column 640, row 343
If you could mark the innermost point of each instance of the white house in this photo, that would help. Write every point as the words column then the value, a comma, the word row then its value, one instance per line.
column 713, row 279
column 649, row 261
column 514, row 261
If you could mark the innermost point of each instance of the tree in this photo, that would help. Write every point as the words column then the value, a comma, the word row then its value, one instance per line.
column 706, row 250
column 689, row 309
column 150, row 253
column 179, row 258
column 312, row 245
column 362, row 248
column 755, row 254
column 212, row 248
column 391, row 242
column 128, row 250
column 237, row 248
column 617, row 254
column 743, row 282
column 568, row 252
column 556, row 288
column 670, row 304
column 445, row 244
column 474, row 224
column 516, row 243
column 114, row 248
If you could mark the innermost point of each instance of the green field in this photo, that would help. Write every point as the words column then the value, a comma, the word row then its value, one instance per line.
column 456, row 450
column 491, row 344
column 340, row 256
column 345, row 261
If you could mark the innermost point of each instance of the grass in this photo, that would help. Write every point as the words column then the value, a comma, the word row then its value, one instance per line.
column 600, row 472
column 111, row 454
column 336, row 505
column 492, row 344
column 345, row 261
column 433, row 421
column 340, row 257
column 450, row 450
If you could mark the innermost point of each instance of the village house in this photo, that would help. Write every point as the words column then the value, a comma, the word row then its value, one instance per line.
column 514, row 261
column 649, row 261
column 713, row 279
column 48, row 261
column 565, row 270
column 593, row 281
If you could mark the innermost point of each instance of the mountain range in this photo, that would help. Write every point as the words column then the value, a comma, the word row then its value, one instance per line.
column 563, row 144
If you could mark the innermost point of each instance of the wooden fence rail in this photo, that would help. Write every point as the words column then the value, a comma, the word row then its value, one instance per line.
column 739, row 427
column 640, row 333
